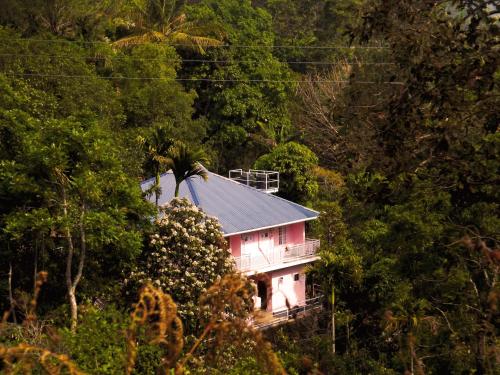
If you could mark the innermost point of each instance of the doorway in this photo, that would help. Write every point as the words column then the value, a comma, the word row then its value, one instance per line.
column 262, row 294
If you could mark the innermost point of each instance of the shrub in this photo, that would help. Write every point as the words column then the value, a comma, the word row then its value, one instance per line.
column 98, row 346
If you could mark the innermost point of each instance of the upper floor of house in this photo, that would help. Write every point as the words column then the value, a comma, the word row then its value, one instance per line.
column 273, row 248
column 264, row 232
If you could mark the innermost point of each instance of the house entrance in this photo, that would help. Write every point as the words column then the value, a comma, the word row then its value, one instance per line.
column 262, row 293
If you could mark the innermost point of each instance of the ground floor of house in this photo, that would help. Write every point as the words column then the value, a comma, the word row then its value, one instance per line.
column 280, row 289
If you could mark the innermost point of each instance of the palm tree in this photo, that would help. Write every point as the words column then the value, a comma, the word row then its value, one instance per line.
column 157, row 147
column 161, row 21
column 186, row 163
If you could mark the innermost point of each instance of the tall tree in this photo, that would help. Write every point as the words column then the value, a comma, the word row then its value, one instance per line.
column 157, row 148
column 421, row 208
column 246, row 89
column 63, row 182
column 162, row 21
column 296, row 165
column 185, row 163
column 84, row 199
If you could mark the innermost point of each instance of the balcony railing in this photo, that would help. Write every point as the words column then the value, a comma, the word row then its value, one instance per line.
column 277, row 317
column 266, row 181
column 263, row 259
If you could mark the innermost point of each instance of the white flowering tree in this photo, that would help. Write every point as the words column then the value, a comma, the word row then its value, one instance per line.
column 185, row 256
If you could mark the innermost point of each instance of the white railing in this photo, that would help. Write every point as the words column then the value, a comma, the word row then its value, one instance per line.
column 262, row 259
column 294, row 312
column 307, row 249
column 267, row 181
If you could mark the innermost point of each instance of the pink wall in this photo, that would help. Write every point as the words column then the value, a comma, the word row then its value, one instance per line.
column 264, row 247
column 295, row 234
column 285, row 287
column 235, row 245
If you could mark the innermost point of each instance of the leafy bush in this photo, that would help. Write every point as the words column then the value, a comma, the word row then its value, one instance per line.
column 296, row 164
column 98, row 346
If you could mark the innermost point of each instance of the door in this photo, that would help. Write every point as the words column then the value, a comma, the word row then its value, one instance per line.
column 266, row 246
column 262, row 293
column 248, row 246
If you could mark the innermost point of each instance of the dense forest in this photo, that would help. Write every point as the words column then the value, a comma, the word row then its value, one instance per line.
column 382, row 115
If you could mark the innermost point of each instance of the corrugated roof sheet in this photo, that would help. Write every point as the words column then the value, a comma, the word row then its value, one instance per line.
column 239, row 208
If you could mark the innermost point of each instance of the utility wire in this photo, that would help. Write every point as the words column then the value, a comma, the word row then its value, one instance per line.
column 198, row 60
column 190, row 45
column 203, row 79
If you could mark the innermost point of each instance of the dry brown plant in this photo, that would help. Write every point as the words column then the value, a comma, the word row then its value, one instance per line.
column 228, row 305
column 157, row 313
column 24, row 358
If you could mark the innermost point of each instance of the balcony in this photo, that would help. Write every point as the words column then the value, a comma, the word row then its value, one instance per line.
column 263, row 261
column 264, row 319
column 266, row 181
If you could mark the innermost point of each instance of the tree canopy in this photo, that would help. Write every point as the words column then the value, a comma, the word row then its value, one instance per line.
column 380, row 115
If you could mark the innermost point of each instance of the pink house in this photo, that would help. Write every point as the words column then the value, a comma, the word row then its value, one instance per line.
column 266, row 233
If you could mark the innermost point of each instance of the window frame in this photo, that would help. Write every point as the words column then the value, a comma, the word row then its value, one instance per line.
column 282, row 235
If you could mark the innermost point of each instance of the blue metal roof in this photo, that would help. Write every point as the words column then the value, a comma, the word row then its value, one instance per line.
column 239, row 208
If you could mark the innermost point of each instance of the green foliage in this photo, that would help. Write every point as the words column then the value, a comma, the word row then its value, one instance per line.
column 162, row 21
column 78, row 19
column 239, row 108
column 158, row 101
column 185, row 163
column 98, row 346
column 296, row 164
column 409, row 219
column 424, row 181
column 313, row 24
column 62, row 170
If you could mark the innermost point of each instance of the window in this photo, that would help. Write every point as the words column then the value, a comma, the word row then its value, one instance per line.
column 296, row 277
column 282, row 235
column 264, row 234
column 246, row 237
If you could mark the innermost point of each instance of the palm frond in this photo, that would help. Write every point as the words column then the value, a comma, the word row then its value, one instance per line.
column 178, row 21
column 150, row 36
column 198, row 43
column 186, row 163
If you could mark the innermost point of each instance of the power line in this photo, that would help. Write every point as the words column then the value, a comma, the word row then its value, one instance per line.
column 203, row 79
column 199, row 60
column 190, row 45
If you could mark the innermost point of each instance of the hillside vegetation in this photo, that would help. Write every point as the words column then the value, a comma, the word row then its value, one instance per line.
column 383, row 115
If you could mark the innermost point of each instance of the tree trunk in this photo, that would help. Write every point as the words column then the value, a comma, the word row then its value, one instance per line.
column 157, row 191
column 333, row 322
column 333, row 330
column 11, row 297
column 71, row 283
column 69, row 263
column 79, row 272
column 35, row 267
column 73, row 308
column 177, row 184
